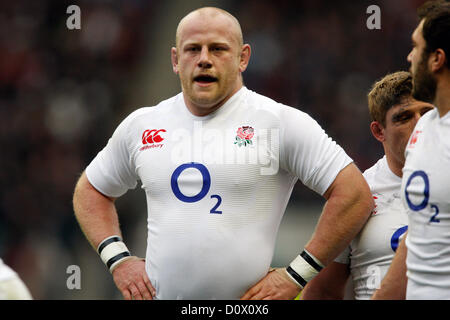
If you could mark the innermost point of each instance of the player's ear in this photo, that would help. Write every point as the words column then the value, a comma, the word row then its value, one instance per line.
column 437, row 60
column 377, row 131
column 245, row 57
column 174, row 57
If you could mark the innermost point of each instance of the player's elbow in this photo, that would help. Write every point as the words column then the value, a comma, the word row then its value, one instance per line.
column 352, row 191
column 364, row 198
column 79, row 193
column 360, row 202
column 86, row 195
column 359, row 193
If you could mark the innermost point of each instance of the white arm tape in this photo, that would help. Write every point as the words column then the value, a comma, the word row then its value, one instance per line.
column 303, row 268
column 112, row 250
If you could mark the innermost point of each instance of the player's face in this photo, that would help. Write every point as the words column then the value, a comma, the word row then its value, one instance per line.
column 424, row 83
column 400, row 122
column 209, row 60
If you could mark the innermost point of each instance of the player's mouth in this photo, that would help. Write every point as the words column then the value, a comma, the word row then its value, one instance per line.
column 205, row 80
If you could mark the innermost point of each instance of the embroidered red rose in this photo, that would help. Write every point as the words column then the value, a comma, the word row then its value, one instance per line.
column 244, row 136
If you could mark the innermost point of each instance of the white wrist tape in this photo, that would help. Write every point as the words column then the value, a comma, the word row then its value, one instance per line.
column 304, row 268
column 113, row 251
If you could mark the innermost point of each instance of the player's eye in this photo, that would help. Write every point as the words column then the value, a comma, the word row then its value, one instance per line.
column 218, row 48
column 402, row 117
column 192, row 49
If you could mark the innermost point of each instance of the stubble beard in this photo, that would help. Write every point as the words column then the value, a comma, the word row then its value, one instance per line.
column 424, row 84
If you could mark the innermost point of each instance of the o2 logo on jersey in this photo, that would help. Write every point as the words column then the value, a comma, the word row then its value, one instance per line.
column 426, row 195
column 395, row 239
column 206, row 177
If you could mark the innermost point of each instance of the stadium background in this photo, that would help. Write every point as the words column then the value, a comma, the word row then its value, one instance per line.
column 62, row 93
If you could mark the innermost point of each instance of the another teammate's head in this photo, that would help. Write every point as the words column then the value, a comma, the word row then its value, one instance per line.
column 430, row 54
column 209, row 58
column 394, row 114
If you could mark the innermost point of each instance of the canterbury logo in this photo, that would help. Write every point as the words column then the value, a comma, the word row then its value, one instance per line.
column 152, row 136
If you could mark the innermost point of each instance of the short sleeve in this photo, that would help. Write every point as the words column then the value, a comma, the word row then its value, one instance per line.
column 308, row 152
column 112, row 172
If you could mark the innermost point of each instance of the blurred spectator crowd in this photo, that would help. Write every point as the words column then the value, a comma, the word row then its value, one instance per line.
column 63, row 92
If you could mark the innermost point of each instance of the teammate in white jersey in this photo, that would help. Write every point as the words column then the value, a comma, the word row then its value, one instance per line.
column 394, row 114
column 218, row 163
column 426, row 174
column 11, row 286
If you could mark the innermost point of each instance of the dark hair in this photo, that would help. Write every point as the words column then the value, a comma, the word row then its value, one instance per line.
column 391, row 90
column 436, row 27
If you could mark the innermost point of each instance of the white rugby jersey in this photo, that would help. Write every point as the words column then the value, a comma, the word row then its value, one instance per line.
column 426, row 194
column 371, row 252
column 216, row 187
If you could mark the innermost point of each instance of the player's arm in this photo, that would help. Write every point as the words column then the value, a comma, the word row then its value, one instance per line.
column 393, row 286
column 348, row 206
column 329, row 284
column 98, row 219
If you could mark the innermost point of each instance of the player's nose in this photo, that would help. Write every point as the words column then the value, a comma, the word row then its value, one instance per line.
column 409, row 57
column 204, row 60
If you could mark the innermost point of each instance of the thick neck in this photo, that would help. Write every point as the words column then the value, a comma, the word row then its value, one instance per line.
column 204, row 110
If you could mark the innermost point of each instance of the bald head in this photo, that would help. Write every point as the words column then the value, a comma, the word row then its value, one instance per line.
column 207, row 15
column 209, row 58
